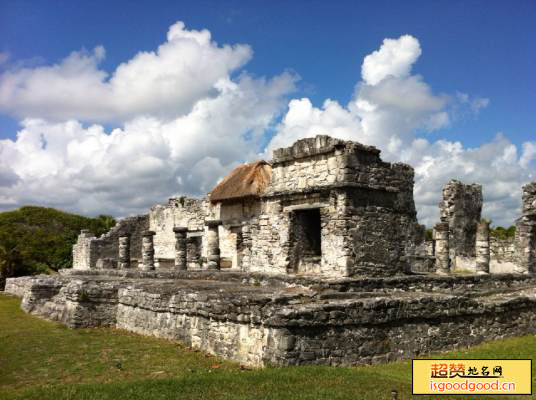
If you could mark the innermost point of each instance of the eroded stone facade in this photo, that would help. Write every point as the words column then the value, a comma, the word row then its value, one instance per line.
column 91, row 252
column 258, row 320
column 326, row 264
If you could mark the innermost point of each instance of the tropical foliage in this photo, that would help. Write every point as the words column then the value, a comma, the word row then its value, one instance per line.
column 503, row 233
column 39, row 240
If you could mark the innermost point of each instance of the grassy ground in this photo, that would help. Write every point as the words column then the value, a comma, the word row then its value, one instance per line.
column 44, row 360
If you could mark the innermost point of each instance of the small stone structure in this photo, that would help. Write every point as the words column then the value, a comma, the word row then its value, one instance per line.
column 313, row 258
column 89, row 251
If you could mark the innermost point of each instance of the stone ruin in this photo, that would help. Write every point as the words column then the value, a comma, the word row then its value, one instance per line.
column 315, row 257
column 525, row 239
column 460, row 209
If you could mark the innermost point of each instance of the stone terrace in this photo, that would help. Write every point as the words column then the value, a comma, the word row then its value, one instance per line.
column 262, row 320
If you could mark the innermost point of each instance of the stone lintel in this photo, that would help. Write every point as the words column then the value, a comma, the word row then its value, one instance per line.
column 305, row 207
column 441, row 226
column 213, row 223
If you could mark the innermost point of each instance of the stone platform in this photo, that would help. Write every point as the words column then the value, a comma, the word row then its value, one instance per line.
column 261, row 320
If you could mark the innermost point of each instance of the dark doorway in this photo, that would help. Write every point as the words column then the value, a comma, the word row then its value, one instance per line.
column 307, row 232
column 193, row 251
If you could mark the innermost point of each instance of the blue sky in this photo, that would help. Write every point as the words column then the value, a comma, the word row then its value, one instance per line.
column 479, row 49
column 482, row 47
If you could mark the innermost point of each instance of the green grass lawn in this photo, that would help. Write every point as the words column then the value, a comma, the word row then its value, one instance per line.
column 44, row 360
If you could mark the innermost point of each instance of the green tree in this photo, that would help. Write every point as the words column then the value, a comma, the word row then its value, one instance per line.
column 39, row 240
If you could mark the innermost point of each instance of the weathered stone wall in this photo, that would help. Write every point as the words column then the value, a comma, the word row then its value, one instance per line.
column 271, row 244
column 266, row 240
column 107, row 246
column 178, row 212
column 332, row 260
column 502, row 250
column 91, row 252
column 84, row 254
column 324, row 162
column 234, row 215
column 525, row 238
column 367, row 208
column 260, row 325
column 461, row 207
column 378, row 226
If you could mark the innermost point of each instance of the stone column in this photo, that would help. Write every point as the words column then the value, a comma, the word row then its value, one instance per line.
column 180, row 247
column 482, row 248
column 147, row 251
column 441, row 235
column 461, row 208
column 246, row 246
column 525, row 247
column 213, row 244
column 124, row 251
column 525, row 239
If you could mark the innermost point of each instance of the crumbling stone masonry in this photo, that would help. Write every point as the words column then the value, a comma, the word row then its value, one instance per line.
column 260, row 320
column 351, row 208
column 89, row 251
column 461, row 208
column 178, row 212
column 84, row 253
column 307, row 259
column 525, row 239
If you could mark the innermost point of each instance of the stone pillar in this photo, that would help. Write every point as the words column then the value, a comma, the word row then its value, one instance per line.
column 213, row 244
column 246, row 245
column 180, row 247
column 124, row 251
column 441, row 235
column 147, row 251
column 461, row 207
column 482, row 248
column 525, row 239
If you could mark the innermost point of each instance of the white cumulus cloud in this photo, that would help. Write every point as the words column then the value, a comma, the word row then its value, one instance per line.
column 394, row 58
column 166, row 82
column 191, row 123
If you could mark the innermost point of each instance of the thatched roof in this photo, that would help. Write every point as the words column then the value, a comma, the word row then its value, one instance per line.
column 246, row 180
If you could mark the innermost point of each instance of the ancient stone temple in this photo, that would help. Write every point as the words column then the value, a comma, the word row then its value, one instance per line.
column 313, row 257
column 322, row 206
